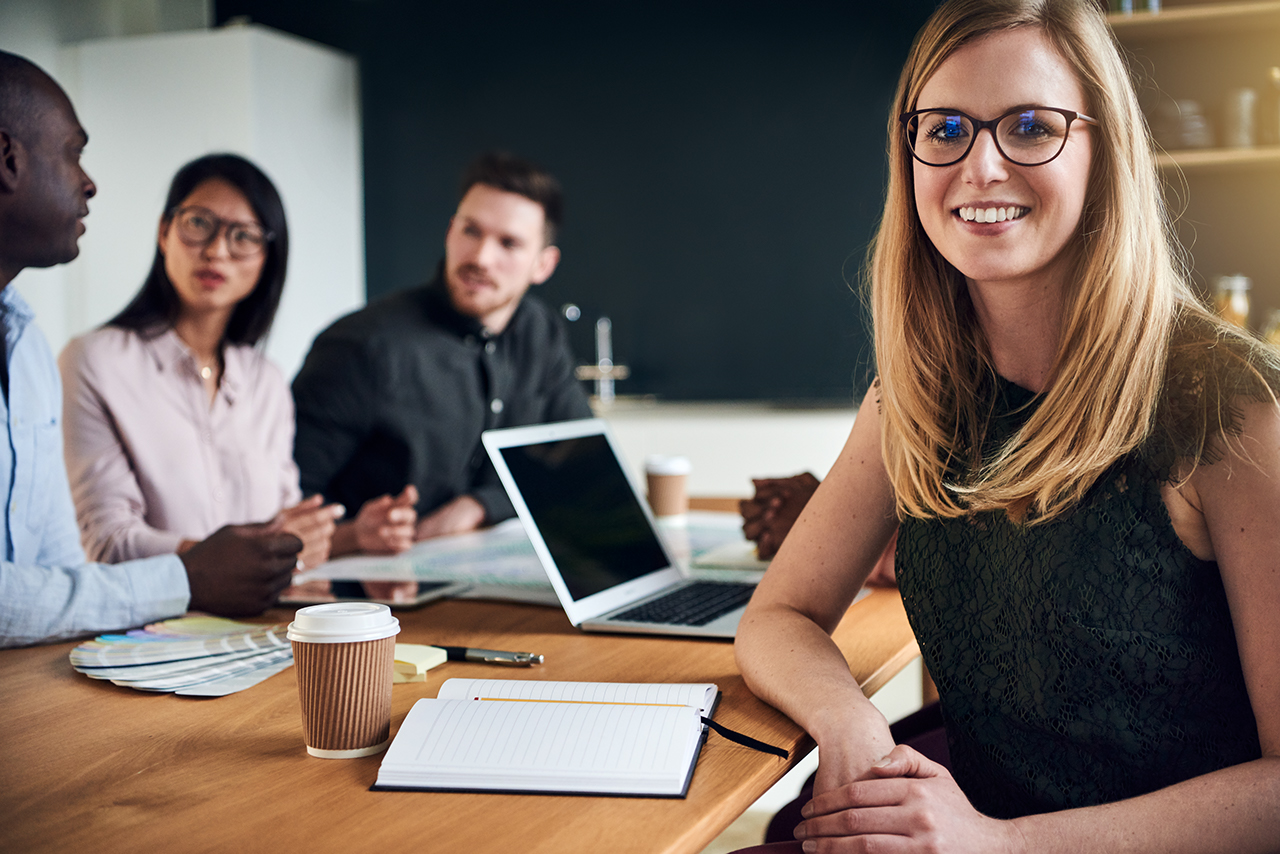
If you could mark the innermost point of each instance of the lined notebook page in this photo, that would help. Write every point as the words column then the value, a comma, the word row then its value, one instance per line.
column 700, row 696
column 549, row 737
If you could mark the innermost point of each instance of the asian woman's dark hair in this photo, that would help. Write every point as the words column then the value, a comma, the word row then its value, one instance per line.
column 156, row 307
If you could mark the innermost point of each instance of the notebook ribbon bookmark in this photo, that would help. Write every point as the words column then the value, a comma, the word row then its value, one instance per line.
column 745, row 740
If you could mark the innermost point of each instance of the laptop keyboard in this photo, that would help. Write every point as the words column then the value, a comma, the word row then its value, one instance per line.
column 695, row 604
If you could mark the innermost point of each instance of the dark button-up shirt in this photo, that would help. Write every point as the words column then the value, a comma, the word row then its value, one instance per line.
column 400, row 391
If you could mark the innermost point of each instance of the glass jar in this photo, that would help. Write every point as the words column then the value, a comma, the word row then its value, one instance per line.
column 1128, row 7
column 1231, row 299
column 1239, row 125
column 1271, row 330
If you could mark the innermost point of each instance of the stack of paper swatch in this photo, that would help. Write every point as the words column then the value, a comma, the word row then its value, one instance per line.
column 191, row 656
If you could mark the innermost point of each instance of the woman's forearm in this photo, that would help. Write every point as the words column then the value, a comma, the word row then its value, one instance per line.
column 1236, row 809
column 789, row 662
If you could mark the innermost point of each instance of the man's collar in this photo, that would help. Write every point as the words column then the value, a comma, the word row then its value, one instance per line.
column 17, row 312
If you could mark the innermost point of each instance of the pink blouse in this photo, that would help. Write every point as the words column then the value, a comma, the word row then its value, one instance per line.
column 150, row 462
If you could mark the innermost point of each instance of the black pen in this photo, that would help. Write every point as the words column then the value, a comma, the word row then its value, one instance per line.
column 492, row 656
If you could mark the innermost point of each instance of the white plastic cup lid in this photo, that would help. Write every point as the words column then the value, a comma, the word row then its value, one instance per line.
column 343, row 622
column 658, row 464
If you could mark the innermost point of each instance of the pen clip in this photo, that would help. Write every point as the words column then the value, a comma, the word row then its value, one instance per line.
column 492, row 656
column 511, row 659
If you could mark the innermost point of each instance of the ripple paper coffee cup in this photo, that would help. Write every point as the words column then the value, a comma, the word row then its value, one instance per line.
column 667, row 479
column 344, row 655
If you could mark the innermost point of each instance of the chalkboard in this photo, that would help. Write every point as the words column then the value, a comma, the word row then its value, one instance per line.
column 723, row 165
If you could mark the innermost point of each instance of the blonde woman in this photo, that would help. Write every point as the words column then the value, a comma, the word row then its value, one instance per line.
column 1083, row 467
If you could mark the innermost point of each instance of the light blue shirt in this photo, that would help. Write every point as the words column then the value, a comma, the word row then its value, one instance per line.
column 47, row 590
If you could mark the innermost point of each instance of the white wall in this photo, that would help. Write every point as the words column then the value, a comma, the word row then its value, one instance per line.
column 152, row 102
column 33, row 28
column 38, row 30
column 306, row 134
column 730, row 443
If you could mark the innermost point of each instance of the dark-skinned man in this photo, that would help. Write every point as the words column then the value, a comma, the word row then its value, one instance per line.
column 47, row 590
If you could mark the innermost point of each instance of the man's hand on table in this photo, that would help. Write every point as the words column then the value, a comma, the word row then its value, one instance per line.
column 458, row 516
column 239, row 570
column 768, row 516
column 385, row 525
column 313, row 522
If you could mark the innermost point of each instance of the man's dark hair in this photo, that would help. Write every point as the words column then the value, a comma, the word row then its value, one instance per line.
column 156, row 307
column 19, row 101
column 516, row 175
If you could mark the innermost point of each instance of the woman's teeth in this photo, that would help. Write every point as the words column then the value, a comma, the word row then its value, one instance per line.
column 992, row 214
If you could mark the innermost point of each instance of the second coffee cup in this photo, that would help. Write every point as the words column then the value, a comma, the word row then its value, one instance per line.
column 668, row 485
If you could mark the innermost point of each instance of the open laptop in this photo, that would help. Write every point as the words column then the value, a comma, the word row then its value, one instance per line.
column 597, row 540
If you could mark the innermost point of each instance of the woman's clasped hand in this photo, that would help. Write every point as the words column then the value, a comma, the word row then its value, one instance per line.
column 908, row 803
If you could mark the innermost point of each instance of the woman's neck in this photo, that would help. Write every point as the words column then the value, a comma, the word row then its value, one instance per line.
column 203, row 334
column 1022, row 323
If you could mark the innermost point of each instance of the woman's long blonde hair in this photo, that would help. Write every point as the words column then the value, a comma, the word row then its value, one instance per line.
column 1122, row 298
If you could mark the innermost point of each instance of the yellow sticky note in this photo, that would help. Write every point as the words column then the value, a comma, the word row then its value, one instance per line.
column 413, row 660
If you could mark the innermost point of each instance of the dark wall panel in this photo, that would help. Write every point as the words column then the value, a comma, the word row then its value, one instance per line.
column 723, row 165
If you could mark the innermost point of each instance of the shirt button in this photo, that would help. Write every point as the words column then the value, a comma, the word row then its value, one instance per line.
column 495, row 406
column 217, row 495
column 490, row 347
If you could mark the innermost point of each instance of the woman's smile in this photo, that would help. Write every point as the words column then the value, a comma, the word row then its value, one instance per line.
column 991, row 213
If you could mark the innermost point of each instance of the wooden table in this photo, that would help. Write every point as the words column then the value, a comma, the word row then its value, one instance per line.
column 87, row 766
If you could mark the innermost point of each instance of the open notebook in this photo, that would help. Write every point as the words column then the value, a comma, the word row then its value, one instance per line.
column 585, row 738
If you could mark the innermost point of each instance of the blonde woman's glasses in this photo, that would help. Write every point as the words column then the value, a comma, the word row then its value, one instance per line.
column 199, row 226
column 1027, row 136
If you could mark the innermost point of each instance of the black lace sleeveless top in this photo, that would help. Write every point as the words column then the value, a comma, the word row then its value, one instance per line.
column 1089, row 658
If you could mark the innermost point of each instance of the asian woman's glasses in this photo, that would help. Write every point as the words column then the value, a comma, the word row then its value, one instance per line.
column 199, row 226
column 1027, row 136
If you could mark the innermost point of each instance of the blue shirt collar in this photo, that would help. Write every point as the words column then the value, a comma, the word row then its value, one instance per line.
column 17, row 313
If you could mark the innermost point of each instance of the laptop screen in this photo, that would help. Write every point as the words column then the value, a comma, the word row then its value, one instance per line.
column 586, row 512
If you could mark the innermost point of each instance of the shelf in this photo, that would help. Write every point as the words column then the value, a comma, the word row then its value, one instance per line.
column 1215, row 159
column 1220, row 198
column 1199, row 20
